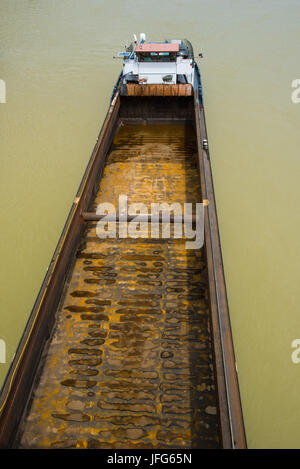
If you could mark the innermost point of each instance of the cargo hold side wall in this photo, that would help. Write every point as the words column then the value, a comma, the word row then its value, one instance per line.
column 156, row 107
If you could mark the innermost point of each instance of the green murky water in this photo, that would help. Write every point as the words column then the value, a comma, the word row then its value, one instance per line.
column 56, row 60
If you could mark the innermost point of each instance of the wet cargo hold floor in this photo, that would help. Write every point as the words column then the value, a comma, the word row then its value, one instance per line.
column 129, row 363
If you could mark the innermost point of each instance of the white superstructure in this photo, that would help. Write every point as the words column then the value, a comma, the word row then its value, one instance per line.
column 169, row 62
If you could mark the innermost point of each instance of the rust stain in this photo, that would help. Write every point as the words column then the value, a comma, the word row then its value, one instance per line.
column 159, row 90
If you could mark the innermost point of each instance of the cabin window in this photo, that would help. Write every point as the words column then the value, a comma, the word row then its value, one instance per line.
column 156, row 57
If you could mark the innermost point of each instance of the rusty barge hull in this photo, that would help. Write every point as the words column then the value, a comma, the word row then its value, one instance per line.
column 129, row 342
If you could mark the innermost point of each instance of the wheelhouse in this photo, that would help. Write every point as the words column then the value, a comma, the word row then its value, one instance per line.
column 148, row 63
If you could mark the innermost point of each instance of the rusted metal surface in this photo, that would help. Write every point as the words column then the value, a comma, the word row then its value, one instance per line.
column 158, row 90
column 231, row 416
column 154, row 109
column 130, row 363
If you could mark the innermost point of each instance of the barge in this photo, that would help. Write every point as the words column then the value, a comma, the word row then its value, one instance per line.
column 129, row 342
